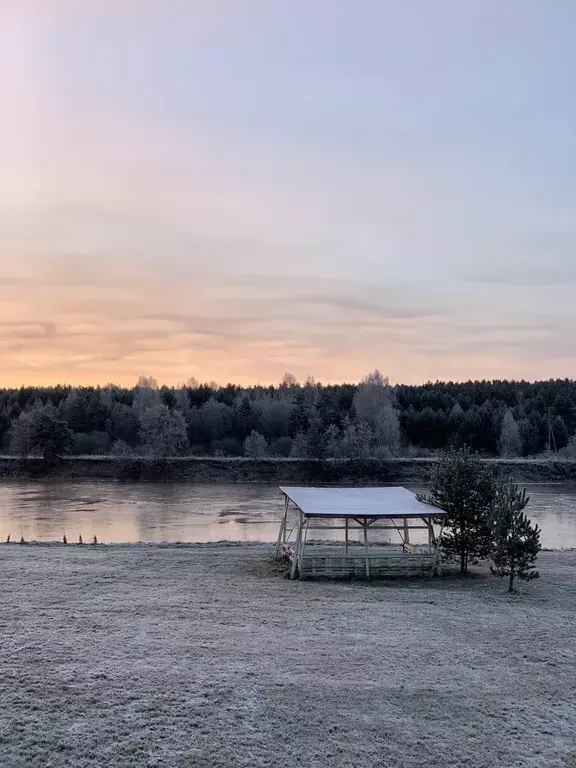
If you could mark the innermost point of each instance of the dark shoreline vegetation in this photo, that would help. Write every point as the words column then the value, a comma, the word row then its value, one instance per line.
column 372, row 420
column 210, row 469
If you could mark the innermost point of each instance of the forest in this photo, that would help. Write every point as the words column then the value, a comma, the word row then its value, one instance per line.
column 292, row 419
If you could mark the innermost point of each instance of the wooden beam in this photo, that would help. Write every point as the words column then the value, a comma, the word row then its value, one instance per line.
column 346, row 536
column 360, row 527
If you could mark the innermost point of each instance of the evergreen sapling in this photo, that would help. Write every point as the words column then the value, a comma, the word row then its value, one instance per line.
column 516, row 541
column 465, row 489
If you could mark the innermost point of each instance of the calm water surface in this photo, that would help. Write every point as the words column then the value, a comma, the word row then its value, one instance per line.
column 117, row 512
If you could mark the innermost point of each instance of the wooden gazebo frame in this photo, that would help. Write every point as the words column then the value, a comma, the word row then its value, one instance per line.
column 365, row 509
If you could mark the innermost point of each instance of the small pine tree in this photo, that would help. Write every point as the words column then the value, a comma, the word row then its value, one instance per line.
column 64, row 539
column 80, row 539
column 95, row 539
column 516, row 541
column 465, row 489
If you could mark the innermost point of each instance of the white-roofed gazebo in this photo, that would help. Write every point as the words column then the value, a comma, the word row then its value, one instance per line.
column 353, row 511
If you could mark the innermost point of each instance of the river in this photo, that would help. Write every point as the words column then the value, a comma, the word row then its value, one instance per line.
column 119, row 512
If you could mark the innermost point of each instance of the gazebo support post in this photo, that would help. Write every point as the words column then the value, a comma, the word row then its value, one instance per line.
column 436, row 567
column 406, row 531
column 282, row 532
column 296, row 546
column 303, row 544
column 366, row 547
column 346, row 539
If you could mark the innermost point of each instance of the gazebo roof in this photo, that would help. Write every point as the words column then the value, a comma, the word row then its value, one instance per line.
column 391, row 502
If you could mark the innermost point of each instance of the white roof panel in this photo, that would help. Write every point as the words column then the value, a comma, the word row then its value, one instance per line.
column 359, row 502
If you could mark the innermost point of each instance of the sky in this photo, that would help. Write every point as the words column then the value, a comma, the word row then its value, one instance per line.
column 232, row 190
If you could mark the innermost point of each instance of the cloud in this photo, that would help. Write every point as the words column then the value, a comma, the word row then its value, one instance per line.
column 169, row 210
column 541, row 258
column 90, row 322
column 368, row 308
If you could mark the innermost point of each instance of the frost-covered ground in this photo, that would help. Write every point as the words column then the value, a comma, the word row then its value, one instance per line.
column 203, row 656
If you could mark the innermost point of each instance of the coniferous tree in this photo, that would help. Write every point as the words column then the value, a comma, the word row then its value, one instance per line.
column 299, row 448
column 316, row 447
column 218, row 419
column 516, row 541
column 466, row 490
column 332, row 441
column 454, row 425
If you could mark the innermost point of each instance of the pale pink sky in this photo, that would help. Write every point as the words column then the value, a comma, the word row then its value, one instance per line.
column 234, row 190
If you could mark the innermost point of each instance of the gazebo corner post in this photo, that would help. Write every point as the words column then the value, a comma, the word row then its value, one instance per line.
column 282, row 532
column 436, row 569
column 406, row 531
column 365, row 526
column 346, row 538
column 296, row 546
column 303, row 544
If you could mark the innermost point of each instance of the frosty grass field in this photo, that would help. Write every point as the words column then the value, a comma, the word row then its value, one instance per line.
column 126, row 656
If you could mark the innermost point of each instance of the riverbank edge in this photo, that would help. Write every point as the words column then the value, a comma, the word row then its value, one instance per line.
column 288, row 471
column 264, row 546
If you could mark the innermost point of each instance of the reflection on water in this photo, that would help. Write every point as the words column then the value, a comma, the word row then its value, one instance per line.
column 117, row 512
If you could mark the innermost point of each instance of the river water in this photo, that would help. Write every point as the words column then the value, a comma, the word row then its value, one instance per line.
column 119, row 512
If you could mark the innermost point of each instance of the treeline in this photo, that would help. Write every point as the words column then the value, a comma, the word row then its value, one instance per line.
column 304, row 420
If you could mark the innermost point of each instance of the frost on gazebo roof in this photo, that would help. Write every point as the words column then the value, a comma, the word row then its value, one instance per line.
column 388, row 502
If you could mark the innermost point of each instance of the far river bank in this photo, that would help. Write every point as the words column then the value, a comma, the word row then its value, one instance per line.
column 192, row 469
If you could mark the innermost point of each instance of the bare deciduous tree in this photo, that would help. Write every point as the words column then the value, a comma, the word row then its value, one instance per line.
column 374, row 392
column 374, row 405
column 387, row 431
column 21, row 435
column 510, row 442
column 146, row 394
